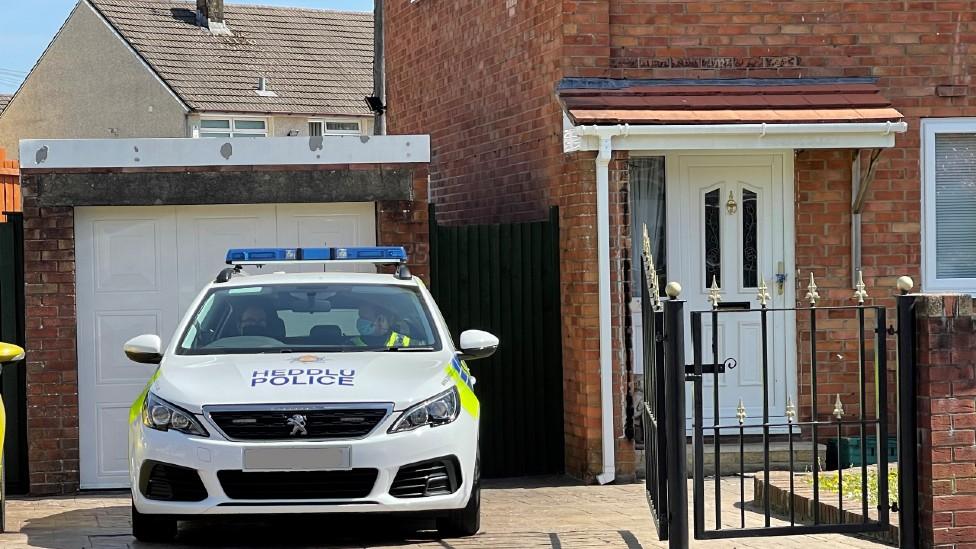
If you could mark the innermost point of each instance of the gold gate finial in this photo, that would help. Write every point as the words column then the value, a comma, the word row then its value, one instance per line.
column 861, row 293
column 763, row 295
column 812, row 294
column 653, row 284
column 838, row 409
column 790, row 410
column 714, row 293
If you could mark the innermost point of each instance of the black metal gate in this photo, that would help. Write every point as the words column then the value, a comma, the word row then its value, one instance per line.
column 13, row 382
column 505, row 279
column 666, row 373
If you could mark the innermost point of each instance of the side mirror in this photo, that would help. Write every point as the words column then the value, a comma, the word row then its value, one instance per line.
column 476, row 344
column 144, row 349
column 10, row 353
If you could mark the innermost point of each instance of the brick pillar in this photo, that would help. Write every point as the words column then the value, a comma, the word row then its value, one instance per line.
column 947, row 421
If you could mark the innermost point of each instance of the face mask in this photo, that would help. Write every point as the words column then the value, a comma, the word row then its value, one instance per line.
column 365, row 327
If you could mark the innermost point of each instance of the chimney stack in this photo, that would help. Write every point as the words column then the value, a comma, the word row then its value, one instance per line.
column 211, row 10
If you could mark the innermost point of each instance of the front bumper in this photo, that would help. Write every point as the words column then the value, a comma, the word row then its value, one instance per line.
column 386, row 453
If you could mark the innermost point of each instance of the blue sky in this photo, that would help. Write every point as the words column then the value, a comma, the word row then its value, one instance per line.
column 26, row 28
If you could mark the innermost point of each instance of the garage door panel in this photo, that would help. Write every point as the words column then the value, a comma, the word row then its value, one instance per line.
column 126, row 283
column 138, row 268
column 208, row 232
column 126, row 253
column 112, row 330
column 113, row 452
column 317, row 225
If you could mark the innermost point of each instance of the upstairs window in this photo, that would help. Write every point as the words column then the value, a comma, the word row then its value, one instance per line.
column 949, row 203
column 317, row 128
column 233, row 127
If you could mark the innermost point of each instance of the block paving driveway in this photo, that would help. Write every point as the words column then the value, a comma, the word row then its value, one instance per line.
column 535, row 513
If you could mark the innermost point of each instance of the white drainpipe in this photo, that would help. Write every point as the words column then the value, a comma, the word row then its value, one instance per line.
column 603, row 261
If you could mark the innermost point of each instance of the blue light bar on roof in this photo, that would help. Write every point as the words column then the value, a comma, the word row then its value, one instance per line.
column 374, row 254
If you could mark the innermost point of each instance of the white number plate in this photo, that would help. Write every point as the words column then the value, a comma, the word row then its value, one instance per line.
column 297, row 459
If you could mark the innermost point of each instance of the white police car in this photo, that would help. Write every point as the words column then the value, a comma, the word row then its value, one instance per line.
column 307, row 393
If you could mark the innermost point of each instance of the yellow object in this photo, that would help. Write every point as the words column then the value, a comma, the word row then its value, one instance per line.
column 458, row 371
column 136, row 409
column 8, row 353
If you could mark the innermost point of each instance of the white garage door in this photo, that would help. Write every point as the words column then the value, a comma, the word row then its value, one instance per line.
column 138, row 269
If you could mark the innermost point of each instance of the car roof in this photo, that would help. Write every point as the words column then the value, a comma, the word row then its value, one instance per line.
column 240, row 280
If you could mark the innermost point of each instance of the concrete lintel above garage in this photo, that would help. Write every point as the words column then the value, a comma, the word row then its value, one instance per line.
column 260, row 185
column 262, row 151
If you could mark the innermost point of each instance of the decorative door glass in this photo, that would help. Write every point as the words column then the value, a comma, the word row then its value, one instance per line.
column 713, row 237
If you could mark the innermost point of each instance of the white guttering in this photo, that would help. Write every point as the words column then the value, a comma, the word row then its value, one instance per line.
column 604, row 144
column 866, row 135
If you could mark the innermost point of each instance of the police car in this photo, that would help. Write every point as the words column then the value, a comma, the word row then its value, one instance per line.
column 321, row 392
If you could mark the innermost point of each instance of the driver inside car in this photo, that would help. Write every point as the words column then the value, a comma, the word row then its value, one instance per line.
column 254, row 321
column 375, row 326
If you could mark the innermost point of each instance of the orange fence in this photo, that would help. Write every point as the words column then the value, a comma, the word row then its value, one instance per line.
column 9, row 186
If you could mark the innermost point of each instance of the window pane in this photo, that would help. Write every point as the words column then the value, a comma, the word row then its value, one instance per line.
column 315, row 129
column 750, row 239
column 955, row 202
column 342, row 126
column 249, row 125
column 713, row 238
column 214, row 134
column 215, row 124
column 647, row 207
column 249, row 135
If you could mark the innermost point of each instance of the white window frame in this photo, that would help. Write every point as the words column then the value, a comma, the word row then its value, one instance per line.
column 931, row 127
column 325, row 123
column 233, row 131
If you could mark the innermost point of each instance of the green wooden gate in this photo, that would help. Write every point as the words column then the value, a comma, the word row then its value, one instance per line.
column 13, row 382
column 505, row 279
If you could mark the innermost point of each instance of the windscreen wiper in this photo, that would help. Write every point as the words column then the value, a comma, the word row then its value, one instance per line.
column 405, row 349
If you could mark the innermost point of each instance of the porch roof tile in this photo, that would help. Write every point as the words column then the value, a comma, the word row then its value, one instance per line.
column 724, row 102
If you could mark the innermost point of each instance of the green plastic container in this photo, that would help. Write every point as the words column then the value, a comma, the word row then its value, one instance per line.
column 850, row 451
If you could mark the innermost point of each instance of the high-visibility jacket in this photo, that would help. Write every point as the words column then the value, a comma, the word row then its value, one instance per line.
column 395, row 340
column 398, row 340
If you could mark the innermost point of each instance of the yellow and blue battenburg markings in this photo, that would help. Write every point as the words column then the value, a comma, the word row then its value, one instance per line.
column 458, row 371
column 136, row 409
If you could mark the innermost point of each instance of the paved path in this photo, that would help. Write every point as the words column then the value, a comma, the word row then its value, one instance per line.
column 549, row 513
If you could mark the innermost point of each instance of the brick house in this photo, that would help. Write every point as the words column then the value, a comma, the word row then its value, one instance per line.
column 756, row 140
column 168, row 68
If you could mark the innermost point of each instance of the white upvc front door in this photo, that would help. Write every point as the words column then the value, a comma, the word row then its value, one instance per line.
column 730, row 219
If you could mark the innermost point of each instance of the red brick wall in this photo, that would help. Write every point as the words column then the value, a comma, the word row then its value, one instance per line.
column 479, row 78
column 947, row 421
column 52, row 371
column 405, row 223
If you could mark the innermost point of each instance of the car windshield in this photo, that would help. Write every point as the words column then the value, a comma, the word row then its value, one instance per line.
column 282, row 318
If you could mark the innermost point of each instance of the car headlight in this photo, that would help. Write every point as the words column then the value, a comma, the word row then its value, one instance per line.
column 163, row 416
column 440, row 410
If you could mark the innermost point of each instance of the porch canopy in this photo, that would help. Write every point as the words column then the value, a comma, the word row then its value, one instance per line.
column 728, row 114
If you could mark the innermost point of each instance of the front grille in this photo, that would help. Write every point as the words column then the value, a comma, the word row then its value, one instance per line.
column 284, row 485
column 321, row 424
column 436, row 477
column 165, row 482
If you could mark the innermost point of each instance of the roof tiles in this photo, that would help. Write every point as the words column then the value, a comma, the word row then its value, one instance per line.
column 4, row 100
column 317, row 62
column 728, row 103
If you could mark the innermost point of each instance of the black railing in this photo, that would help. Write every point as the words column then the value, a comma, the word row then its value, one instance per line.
column 655, row 411
column 814, row 425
